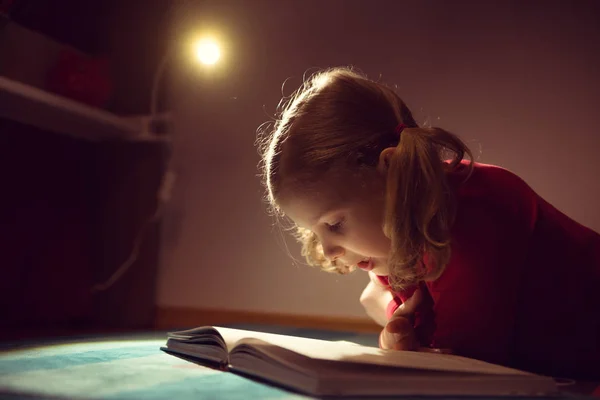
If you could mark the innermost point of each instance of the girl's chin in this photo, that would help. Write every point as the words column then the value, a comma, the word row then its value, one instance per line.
column 380, row 270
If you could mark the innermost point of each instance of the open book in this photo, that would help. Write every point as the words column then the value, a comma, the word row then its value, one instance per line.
column 327, row 368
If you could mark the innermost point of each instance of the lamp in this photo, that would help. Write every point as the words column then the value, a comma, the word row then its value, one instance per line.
column 207, row 52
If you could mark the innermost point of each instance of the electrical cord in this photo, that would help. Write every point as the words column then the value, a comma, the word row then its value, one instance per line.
column 163, row 195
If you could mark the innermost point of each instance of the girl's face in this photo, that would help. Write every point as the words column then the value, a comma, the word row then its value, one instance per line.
column 345, row 211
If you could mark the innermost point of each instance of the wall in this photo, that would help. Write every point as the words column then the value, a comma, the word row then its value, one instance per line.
column 517, row 80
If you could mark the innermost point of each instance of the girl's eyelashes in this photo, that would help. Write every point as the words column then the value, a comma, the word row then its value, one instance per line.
column 336, row 227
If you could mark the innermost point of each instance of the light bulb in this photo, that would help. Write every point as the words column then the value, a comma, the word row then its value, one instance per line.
column 207, row 51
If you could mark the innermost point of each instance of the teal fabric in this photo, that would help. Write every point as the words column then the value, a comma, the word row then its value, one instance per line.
column 130, row 367
column 133, row 367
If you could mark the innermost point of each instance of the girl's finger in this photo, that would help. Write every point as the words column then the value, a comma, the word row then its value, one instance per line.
column 398, row 335
column 399, row 325
column 407, row 342
column 396, row 341
column 410, row 305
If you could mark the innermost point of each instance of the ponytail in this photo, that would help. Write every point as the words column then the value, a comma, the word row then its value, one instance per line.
column 420, row 209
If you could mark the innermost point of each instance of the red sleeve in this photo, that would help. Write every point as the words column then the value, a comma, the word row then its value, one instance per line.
column 398, row 298
column 394, row 303
column 392, row 307
column 423, row 321
column 476, row 296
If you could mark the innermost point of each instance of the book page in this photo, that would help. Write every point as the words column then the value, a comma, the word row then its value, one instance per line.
column 233, row 336
column 203, row 342
column 351, row 352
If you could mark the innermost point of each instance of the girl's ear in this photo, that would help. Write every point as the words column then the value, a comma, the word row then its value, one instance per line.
column 384, row 160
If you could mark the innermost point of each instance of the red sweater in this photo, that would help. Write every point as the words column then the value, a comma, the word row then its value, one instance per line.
column 522, row 287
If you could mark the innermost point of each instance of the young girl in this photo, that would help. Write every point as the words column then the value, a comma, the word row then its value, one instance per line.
column 469, row 257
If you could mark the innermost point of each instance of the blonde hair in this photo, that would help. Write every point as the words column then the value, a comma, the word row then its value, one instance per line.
column 340, row 118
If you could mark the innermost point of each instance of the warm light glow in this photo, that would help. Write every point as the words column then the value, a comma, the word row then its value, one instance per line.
column 207, row 51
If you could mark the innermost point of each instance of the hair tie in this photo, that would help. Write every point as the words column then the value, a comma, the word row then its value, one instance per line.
column 399, row 128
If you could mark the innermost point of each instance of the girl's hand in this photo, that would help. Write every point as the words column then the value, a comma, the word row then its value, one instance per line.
column 375, row 299
column 398, row 333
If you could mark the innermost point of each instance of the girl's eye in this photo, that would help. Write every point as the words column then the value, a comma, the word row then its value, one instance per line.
column 337, row 227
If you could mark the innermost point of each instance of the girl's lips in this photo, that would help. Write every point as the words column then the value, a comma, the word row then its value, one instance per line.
column 366, row 265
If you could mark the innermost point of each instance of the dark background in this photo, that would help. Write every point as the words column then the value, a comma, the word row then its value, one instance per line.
column 70, row 209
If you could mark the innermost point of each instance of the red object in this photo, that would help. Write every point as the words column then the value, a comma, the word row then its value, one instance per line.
column 522, row 287
column 5, row 5
column 82, row 78
column 399, row 128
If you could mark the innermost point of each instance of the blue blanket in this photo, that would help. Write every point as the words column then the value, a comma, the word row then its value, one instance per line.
column 129, row 367
column 132, row 367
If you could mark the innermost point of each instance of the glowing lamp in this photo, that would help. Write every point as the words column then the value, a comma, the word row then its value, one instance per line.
column 207, row 51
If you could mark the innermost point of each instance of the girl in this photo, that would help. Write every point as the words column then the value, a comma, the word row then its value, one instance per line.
column 469, row 256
